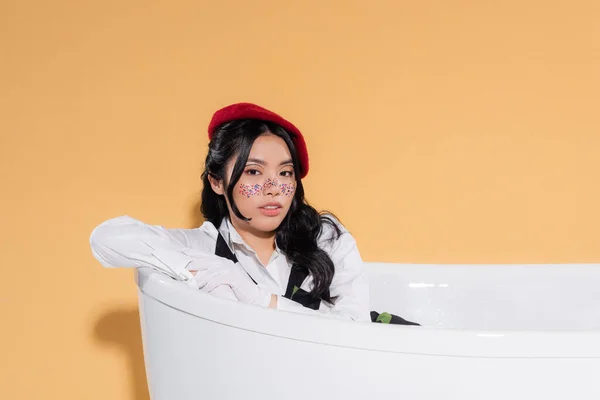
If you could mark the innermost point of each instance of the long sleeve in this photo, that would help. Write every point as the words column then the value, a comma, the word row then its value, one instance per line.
column 126, row 242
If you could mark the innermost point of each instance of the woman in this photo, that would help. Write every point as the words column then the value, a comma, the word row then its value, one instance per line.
column 261, row 243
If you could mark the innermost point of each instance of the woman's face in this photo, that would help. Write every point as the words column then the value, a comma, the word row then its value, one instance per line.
column 265, row 191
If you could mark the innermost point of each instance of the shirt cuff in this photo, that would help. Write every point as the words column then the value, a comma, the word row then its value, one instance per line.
column 175, row 262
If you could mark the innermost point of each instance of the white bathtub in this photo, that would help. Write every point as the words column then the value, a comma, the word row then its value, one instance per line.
column 489, row 332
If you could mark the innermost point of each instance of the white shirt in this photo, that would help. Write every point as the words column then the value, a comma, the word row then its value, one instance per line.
column 127, row 242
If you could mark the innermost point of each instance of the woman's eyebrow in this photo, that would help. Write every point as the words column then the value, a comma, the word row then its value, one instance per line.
column 262, row 162
column 256, row 161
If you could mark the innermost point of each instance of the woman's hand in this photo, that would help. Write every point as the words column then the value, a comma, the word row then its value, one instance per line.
column 213, row 273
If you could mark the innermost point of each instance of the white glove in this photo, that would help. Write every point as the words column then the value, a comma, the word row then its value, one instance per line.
column 198, row 268
column 214, row 272
column 223, row 292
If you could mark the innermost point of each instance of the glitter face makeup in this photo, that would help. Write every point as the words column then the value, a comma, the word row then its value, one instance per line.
column 269, row 183
column 250, row 190
column 287, row 189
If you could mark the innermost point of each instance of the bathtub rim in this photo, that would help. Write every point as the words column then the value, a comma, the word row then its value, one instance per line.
column 414, row 340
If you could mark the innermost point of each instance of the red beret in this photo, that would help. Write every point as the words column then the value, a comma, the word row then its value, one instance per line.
column 252, row 111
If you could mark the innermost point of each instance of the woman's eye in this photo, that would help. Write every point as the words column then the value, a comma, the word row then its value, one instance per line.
column 253, row 172
column 287, row 174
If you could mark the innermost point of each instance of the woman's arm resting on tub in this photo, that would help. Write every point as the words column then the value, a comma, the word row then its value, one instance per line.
column 127, row 242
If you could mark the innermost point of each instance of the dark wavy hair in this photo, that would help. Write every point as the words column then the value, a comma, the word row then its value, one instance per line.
column 297, row 235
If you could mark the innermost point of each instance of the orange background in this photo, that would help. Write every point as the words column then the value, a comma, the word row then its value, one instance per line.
column 443, row 132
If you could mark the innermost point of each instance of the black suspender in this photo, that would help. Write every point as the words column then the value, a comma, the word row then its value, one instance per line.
column 293, row 292
column 222, row 250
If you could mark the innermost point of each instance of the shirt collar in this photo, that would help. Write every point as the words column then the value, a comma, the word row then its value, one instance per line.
column 231, row 236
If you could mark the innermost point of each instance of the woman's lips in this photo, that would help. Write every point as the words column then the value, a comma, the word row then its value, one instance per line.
column 270, row 209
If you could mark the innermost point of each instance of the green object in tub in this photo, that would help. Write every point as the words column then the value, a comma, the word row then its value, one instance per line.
column 384, row 318
column 391, row 319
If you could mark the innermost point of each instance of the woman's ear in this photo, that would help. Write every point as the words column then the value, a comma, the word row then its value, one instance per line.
column 216, row 184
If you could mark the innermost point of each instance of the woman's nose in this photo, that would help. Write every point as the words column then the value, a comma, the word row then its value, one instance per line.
column 271, row 187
